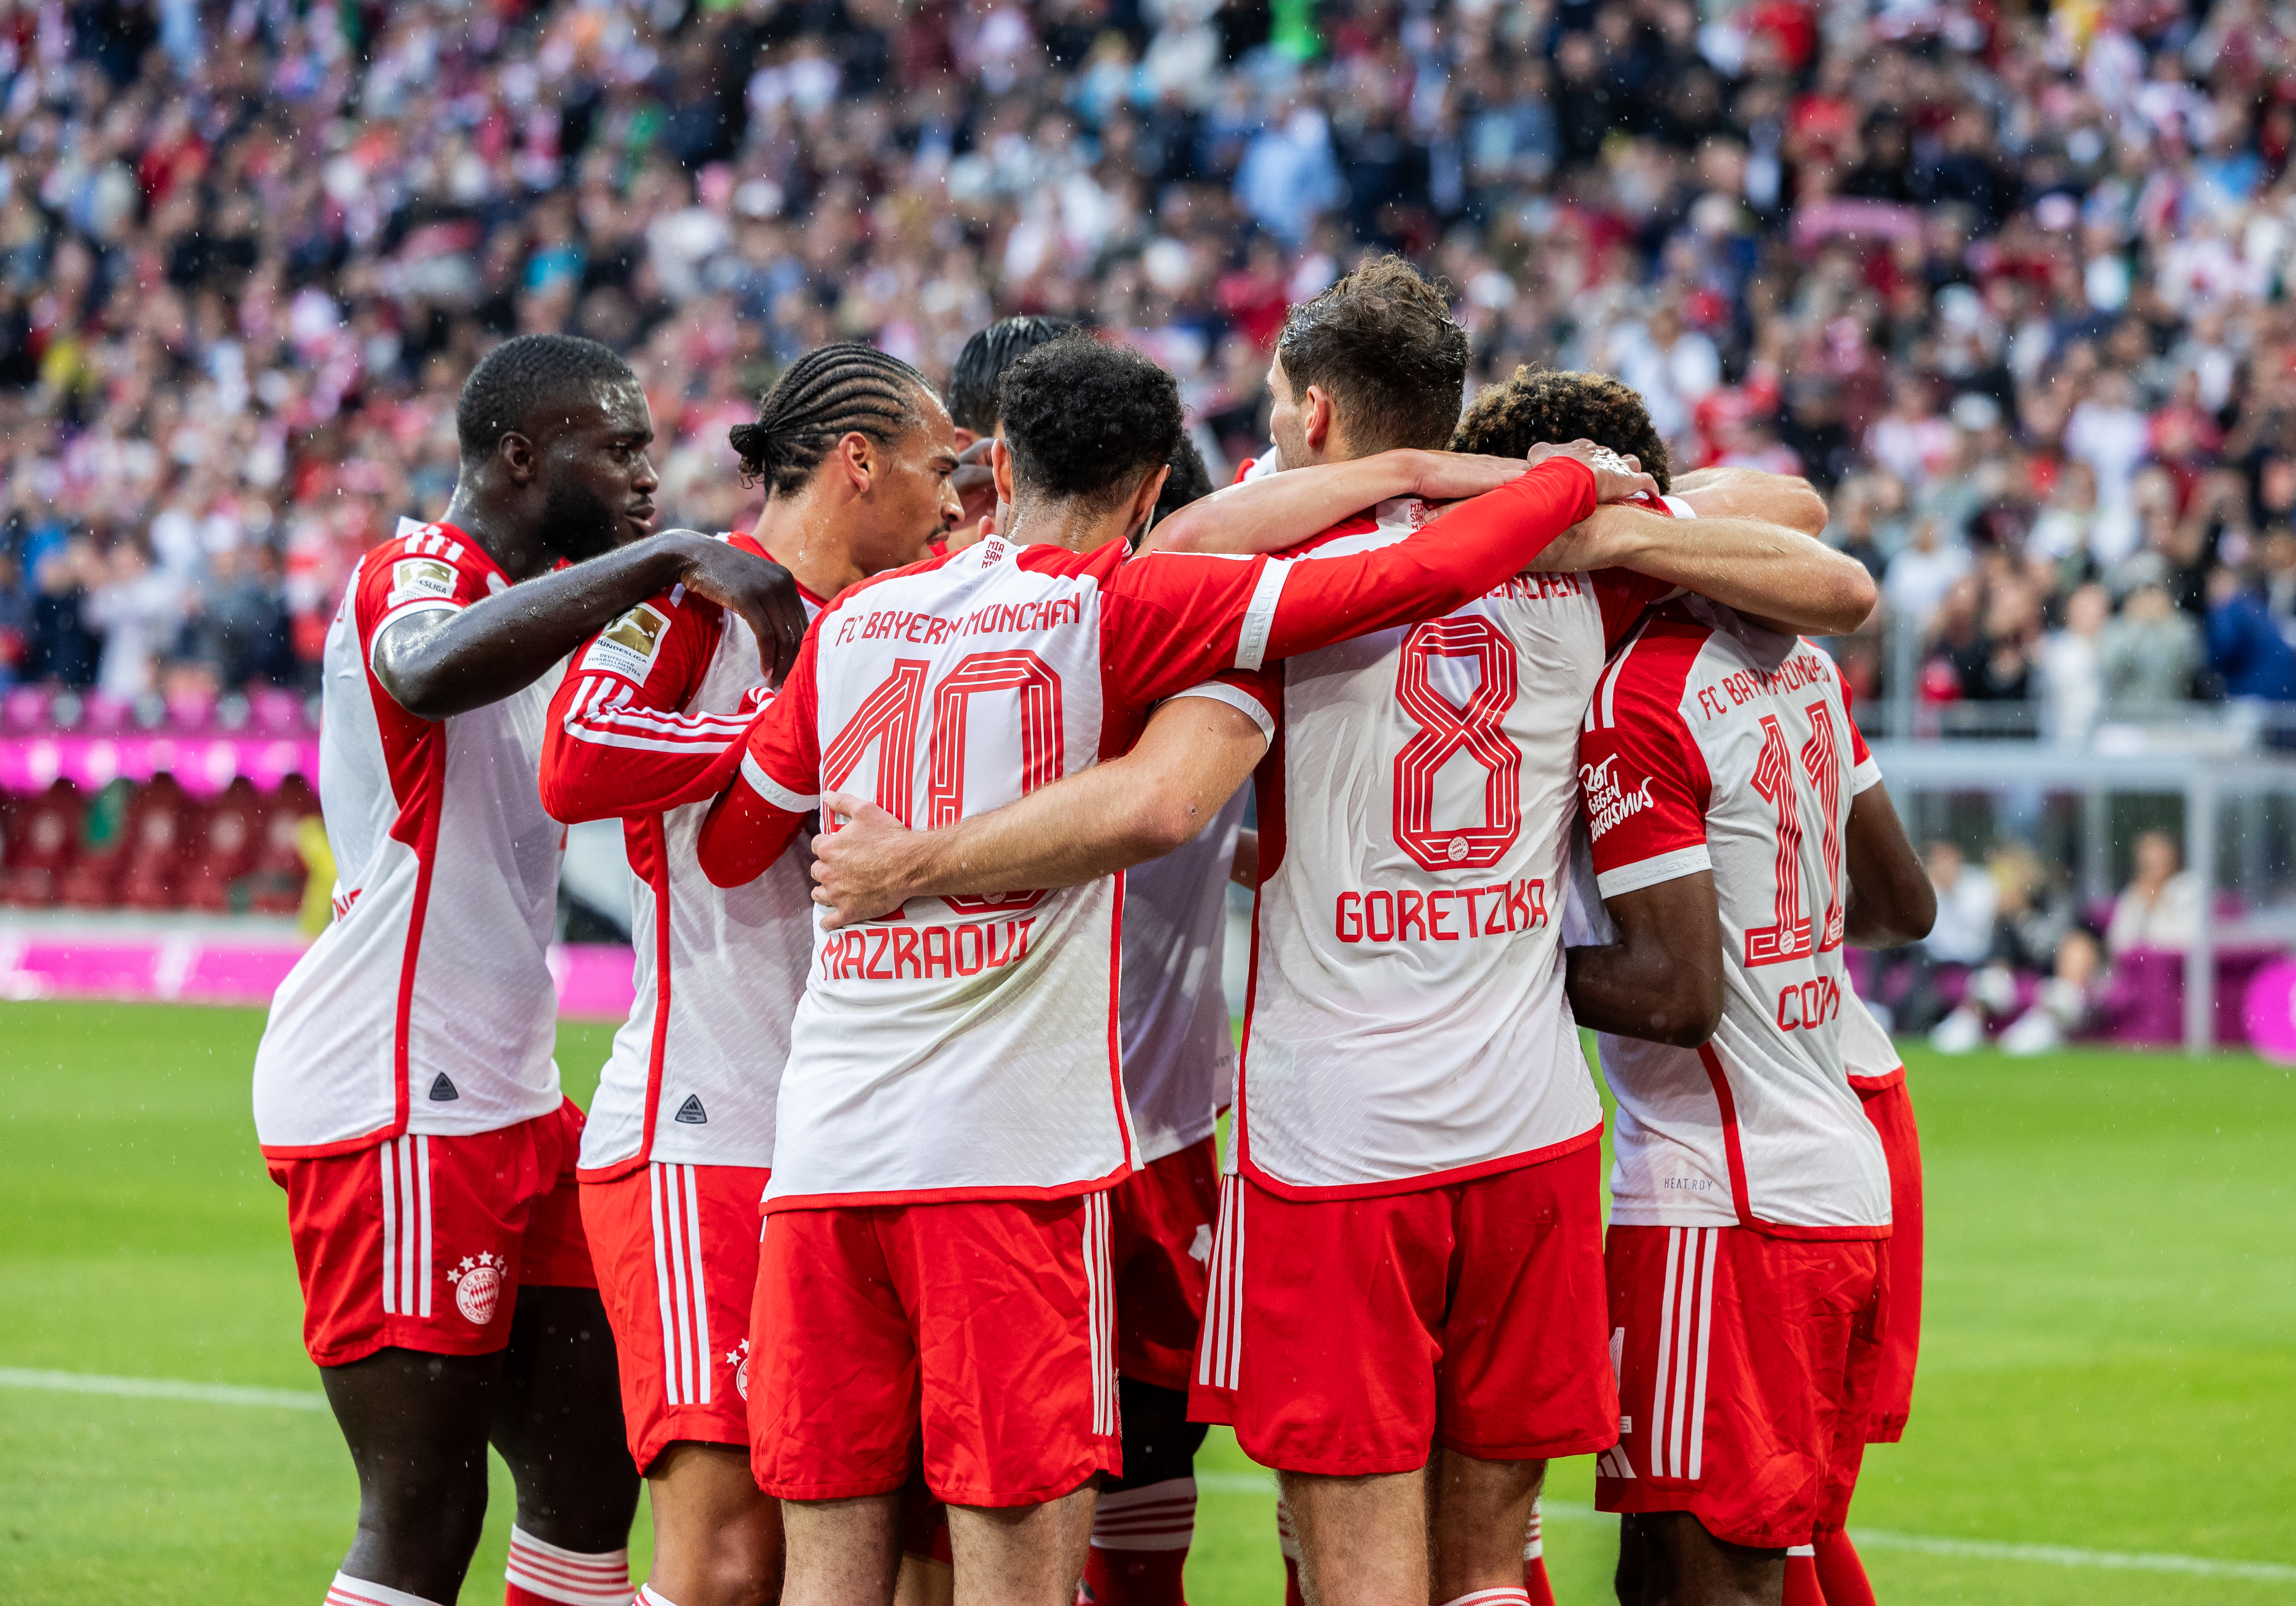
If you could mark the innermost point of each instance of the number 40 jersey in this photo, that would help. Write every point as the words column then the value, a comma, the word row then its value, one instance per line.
column 1407, row 1025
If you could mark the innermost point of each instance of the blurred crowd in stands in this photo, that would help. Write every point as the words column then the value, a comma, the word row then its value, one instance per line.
column 2016, row 958
column 2006, row 282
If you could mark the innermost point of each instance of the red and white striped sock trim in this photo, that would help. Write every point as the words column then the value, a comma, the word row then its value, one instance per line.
column 1287, row 1538
column 1155, row 1516
column 347, row 1590
column 572, row 1576
column 648, row 1595
column 1501, row 1596
column 1534, row 1541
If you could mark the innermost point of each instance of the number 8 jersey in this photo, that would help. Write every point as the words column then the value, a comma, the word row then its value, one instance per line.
column 1714, row 744
column 968, row 1047
column 1406, row 1026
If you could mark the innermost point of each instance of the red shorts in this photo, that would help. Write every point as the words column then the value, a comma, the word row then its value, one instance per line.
column 1746, row 1368
column 1891, row 1108
column 1346, row 1337
column 1161, row 1239
column 978, row 1336
column 677, row 1253
column 422, row 1242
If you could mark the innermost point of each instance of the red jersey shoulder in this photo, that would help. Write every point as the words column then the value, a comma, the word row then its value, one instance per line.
column 1649, row 672
column 1098, row 563
column 423, row 567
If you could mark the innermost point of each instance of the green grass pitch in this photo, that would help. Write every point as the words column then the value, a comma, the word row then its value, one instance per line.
column 2110, row 1362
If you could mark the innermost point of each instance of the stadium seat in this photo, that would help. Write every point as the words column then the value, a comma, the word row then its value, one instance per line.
column 224, row 848
column 161, row 823
column 39, row 838
column 93, row 880
column 275, row 882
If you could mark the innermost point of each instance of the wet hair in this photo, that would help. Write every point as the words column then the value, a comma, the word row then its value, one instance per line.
column 1509, row 419
column 515, row 384
column 835, row 391
column 972, row 383
column 1085, row 419
column 1382, row 344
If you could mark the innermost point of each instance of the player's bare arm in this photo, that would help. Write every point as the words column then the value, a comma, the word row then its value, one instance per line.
column 1278, row 511
column 1661, row 980
column 1734, row 493
column 1760, row 569
column 1188, row 762
column 1892, row 900
column 441, row 664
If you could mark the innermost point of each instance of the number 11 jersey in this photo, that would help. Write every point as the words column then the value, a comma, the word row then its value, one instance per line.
column 1406, row 1026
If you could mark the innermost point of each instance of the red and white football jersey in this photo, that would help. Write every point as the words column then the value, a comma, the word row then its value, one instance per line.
column 1407, row 1025
column 1714, row 744
column 1867, row 1054
column 970, row 1046
column 1179, row 1048
column 427, row 1006
column 646, row 708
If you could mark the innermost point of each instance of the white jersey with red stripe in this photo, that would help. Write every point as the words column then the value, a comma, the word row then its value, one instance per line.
column 1407, row 1025
column 427, row 1006
column 647, row 709
column 1867, row 1054
column 1712, row 744
column 1179, row 1049
column 970, row 1046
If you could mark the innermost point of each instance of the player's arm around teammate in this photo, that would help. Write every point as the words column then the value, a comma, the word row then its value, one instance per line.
column 856, row 453
column 405, row 1092
column 1195, row 752
column 977, row 1136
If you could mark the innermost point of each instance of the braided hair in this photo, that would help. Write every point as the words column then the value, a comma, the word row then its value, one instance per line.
column 829, row 393
column 1546, row 405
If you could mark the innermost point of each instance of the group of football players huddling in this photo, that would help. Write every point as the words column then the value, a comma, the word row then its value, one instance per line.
column 896, row 1251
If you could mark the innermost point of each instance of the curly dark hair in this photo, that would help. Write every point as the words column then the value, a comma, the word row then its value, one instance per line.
column 515, row 384
column 834, row 391
column 1086, row 419
column 1382, row 344
column 972, row 382
column 1189, row 481
column 1546, row 405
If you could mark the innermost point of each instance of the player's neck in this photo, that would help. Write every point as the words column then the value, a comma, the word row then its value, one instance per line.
column 1074, row 524
column 505, row 535
column 804, row 536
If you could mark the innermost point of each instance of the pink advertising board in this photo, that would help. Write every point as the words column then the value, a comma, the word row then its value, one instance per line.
column 593, row 979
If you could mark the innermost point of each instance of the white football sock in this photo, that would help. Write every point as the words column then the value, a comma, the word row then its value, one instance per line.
column 572, row 1576
column 1155, row 1516
column 347, row 1590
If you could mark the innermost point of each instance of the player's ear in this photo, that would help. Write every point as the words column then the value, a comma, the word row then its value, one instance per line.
column 855, row 457
column 518, row 457
column 1317, row 414
column 1143, row 500
column 1000, row 468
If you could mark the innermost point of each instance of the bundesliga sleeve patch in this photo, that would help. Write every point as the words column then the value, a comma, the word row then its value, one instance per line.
column 628, row 646
column 413, row 578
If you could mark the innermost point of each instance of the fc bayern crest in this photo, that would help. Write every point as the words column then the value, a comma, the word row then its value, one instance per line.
column 478, row 1284
column 739, row 1359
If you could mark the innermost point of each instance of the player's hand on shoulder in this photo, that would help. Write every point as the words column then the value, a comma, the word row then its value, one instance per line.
column 1451, row 475
column 863, row 869
column 1617, row 479
column 762, row 590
